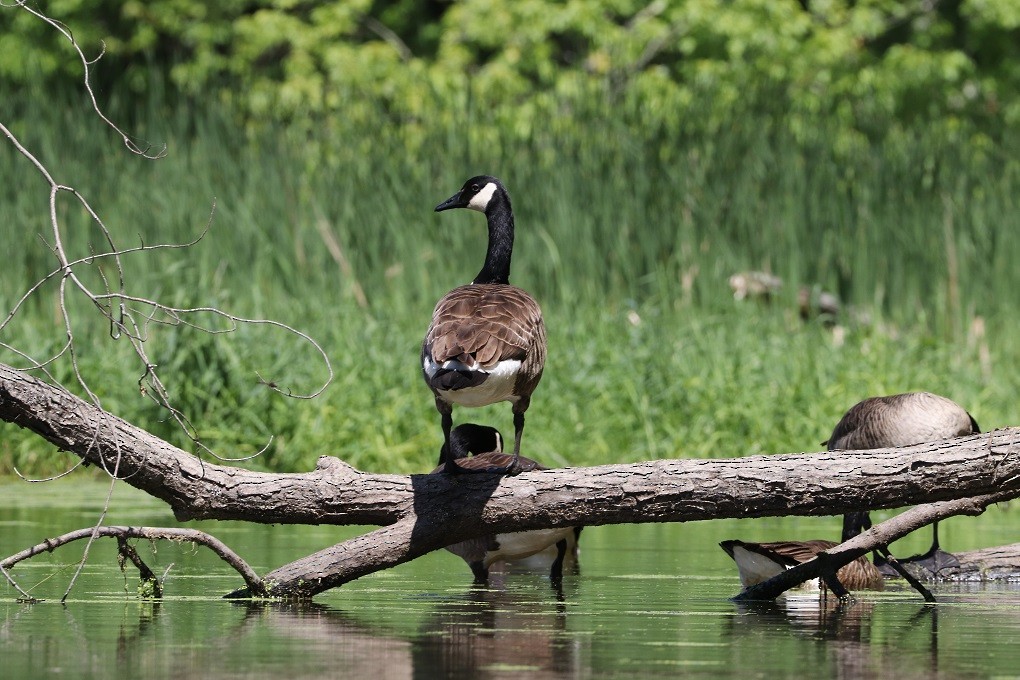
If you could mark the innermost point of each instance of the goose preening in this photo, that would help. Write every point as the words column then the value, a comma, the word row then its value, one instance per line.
column 485, row 443
column 486, row 342
column 901, row 420
column 758, row 562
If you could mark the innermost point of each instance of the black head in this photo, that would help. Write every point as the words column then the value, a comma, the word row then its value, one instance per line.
column 476, row 194
column 470, row 439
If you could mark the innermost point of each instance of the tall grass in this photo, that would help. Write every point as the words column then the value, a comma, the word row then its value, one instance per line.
column 626, row 238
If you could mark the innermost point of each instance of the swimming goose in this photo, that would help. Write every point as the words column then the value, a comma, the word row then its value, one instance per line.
column 486, row 342
column 900, row 420
column 486, row 443
column 758, row 562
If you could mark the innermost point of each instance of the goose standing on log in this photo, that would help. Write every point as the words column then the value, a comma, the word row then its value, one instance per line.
column 901, row 420
column 486, row 342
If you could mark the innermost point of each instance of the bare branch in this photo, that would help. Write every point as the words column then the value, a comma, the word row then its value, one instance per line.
column 388, row 36
column 252, row 581
column 87, row 81
column 129, row 315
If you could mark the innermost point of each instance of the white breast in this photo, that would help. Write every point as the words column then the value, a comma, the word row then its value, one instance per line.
column 521, row 544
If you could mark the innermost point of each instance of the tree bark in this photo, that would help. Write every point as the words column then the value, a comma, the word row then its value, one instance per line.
column 430, row 511
column 1000, row 563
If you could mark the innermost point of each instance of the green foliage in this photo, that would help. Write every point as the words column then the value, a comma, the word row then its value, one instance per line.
column 870, row 66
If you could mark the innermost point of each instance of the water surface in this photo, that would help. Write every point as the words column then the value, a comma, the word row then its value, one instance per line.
column 650, row 600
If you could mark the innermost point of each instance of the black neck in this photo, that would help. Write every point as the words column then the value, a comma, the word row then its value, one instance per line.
column 501, row 241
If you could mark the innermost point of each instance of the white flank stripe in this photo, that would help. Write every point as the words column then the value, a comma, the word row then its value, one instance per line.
column 755, row 568
column 499, row 386
column 521, row 544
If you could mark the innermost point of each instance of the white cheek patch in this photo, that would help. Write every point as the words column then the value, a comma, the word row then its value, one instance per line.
column 480, row 201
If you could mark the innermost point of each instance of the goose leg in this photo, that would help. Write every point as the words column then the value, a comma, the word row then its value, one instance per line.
column 520, row 406
column 854, row 523
column 556, row 573
column 480, row 572
column 446, row 416
column 513, row 466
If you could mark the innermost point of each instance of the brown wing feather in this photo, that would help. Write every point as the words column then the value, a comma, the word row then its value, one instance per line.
column 492, row 460
column 486, row 324
column 793, row 552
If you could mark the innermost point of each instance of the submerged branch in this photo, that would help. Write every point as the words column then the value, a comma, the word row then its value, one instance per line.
column 128, row 553
column 255, row 585
column 342, row 563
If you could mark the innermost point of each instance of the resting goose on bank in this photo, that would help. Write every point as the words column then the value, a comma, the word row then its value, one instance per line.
column 486, row 443
column 486, row 342
column 758, row 562
column 901, row 420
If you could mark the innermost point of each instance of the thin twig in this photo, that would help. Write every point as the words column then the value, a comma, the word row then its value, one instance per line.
column 10, row 579
column 128, row 315
column 87, row 81
column 254, row 584
column 95, row 530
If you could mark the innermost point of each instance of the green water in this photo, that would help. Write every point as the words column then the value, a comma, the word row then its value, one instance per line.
column 650, row 600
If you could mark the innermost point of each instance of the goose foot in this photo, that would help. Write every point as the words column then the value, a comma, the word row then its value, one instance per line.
column 928, row 565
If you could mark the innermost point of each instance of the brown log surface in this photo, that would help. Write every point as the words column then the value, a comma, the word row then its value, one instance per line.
column 998, row 563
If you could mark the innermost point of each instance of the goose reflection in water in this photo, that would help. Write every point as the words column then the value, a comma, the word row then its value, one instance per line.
column 497, row 629
column 846, row 632
column 484, row 633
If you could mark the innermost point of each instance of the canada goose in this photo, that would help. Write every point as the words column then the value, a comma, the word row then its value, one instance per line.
column 754, row 285
column 758, row 562
column 486, row 342
column 480, row 553
column 900, row 420
column 812, row 302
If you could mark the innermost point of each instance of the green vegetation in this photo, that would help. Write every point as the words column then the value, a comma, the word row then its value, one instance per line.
column 862, row 63
column 637, row 193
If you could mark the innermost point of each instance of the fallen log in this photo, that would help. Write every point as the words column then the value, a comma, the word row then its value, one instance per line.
column 428, row 512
